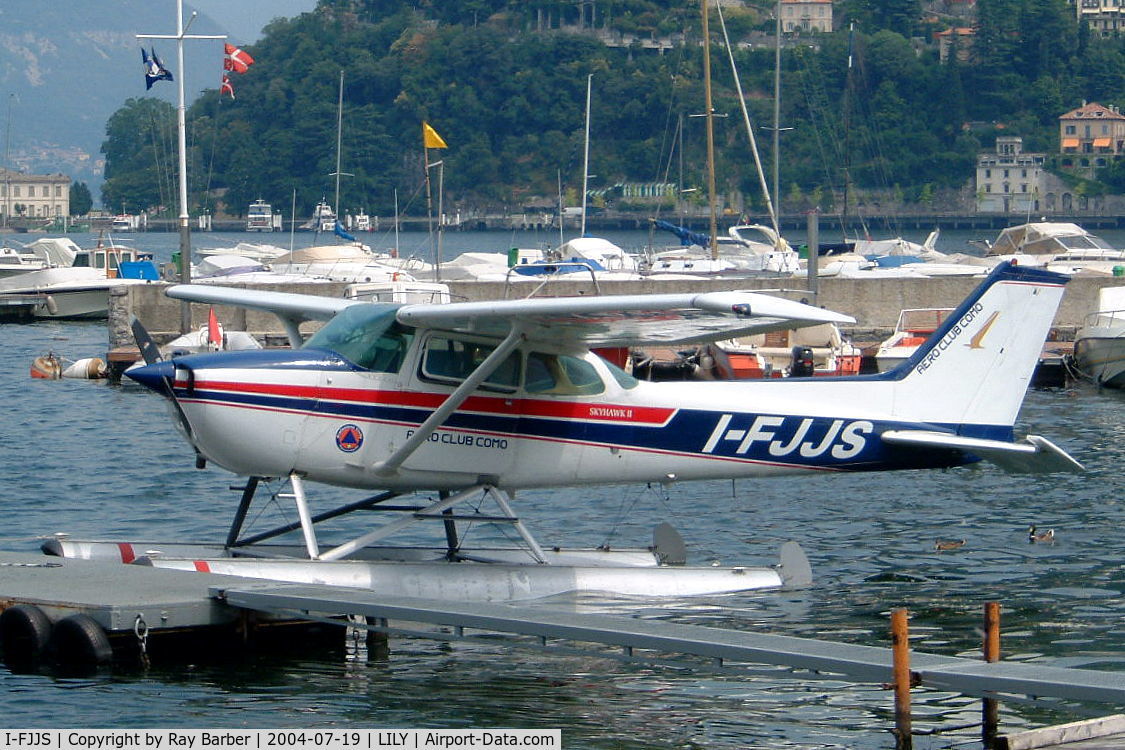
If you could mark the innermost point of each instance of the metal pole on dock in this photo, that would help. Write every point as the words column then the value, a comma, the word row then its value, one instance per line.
column 900, row 652
column 990, row 708
column 181, row 129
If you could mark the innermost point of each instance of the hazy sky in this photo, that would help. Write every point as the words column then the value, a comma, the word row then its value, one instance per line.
column 244, row 19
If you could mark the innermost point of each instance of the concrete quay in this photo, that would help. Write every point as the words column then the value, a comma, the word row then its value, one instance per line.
column 875, row 303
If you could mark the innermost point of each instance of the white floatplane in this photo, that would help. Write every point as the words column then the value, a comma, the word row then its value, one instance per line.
column 472, row 401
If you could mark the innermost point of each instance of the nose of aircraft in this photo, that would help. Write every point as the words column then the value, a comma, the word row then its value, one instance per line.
column 154, row 376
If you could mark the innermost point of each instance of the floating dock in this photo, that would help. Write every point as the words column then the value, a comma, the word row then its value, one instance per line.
column 19, row 307
column 117, row 596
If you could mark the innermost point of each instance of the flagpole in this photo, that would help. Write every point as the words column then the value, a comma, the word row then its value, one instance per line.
column 440, row 210
column 430, row 210
column 181, row 128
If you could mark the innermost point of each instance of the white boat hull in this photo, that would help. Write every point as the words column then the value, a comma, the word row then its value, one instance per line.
column 1100, row 353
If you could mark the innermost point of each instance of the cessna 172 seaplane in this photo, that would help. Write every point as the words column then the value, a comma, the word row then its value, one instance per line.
column 492, row 397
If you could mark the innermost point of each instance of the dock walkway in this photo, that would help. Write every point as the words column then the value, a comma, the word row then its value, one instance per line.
column 866, row 663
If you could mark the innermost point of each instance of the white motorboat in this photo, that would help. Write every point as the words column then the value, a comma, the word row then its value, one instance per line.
column 1099, row 346
column 259, row 251
column 14, row 262
column 80, row 290
column 76, row 292
column 239, row 269
column 739, row 253
column 399, row 292
column 323, row 218
column 1059, row 246
column 348, row 263
column 914, row 326
column 45, row 252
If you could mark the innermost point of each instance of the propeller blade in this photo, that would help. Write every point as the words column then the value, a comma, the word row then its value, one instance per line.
column 150, row 352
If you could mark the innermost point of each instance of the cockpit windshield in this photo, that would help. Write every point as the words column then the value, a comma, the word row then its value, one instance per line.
column 366, row 335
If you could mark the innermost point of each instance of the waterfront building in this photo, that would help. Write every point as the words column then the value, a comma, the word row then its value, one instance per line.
column 33, row 196
column 1090, row 137
column 1104, row 17
column 802, row 16
column 1009, row 180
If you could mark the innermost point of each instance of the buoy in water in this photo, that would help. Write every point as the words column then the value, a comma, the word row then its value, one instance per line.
column 88, row 368
column 47, row 367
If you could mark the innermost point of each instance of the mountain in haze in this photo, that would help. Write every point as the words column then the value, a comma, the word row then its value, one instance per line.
column 66, row 67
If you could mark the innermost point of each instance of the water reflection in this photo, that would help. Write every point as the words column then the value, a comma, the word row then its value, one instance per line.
column 105, row 462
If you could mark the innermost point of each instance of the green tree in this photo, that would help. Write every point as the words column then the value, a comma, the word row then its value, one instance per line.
column 80, row 199
column 140, row 157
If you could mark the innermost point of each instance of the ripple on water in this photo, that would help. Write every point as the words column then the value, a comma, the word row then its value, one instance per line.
column 102, row 461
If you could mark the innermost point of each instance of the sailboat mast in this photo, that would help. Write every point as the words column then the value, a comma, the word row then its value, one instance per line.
column 339, row 134
column 586, row 156
column 749, row 127
column 777, row 103
column 847, row 132
column 710, row 113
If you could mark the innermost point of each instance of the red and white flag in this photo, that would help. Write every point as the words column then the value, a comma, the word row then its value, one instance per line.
column 226, row 88
column 236, row 59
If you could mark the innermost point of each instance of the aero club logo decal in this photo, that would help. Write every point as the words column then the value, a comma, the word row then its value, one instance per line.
column 349, row 438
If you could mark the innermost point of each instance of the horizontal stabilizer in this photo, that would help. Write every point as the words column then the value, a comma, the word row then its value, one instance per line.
column 1036, row 456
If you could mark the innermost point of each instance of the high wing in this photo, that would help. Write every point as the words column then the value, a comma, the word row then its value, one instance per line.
column 623, row 320
column 293, row 309
column 618, row 320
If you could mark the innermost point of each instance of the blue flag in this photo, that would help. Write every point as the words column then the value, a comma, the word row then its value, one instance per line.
column 154, row 69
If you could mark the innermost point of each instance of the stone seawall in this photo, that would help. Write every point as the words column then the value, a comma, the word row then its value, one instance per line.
column 874, row 303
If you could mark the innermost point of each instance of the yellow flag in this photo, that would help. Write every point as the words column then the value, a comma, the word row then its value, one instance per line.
column 430, row 138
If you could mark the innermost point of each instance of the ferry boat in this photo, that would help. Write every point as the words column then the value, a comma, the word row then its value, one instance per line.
column 260, row 218
column 323, row 218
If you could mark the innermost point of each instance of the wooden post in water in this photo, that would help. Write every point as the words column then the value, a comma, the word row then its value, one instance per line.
column 900, row 651
column 990, row 709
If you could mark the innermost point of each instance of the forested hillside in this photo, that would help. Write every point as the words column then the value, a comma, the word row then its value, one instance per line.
column 504, row 84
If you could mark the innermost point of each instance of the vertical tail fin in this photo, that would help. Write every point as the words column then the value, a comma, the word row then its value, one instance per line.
column 974, row 370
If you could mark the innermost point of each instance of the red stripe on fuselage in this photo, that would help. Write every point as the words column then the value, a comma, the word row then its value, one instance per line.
column 558, row 441
column 597, row 412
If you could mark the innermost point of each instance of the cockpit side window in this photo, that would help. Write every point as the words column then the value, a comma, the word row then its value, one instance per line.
column 366, row 335
column 560, row 373
column 453, row 360
column 624, row 379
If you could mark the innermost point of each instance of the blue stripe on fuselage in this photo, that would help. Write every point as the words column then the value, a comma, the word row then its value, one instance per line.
column 790, row 440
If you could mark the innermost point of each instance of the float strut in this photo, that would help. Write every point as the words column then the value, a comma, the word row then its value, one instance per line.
column 243, row 507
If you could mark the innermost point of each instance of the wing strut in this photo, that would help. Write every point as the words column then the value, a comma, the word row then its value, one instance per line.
column 484, row 369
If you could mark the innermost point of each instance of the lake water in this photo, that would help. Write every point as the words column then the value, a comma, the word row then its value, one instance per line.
column 104, row 461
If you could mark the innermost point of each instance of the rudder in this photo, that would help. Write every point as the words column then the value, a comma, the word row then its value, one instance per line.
column 974, row 370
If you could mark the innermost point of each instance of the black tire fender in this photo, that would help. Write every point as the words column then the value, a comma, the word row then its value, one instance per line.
column 79, row 640
column 25, row 633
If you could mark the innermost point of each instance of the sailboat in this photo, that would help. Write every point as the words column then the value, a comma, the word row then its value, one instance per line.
column 740, row 253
